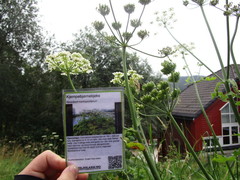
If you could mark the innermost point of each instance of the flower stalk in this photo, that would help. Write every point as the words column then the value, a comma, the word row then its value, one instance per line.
column 135, row 120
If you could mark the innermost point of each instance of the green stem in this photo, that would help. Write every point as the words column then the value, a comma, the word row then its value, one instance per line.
column 214, row 41
column 70, row 80
column 115, row 20
column 190, row 52
column 228, row 89
column 134, row 118
column 206, row 117
column 112, row 30
column 228, row 47
column 190, row 148
column 232, row 102
column 146, row 53
column 139, row 20
column 232, row 53
column 128, row 20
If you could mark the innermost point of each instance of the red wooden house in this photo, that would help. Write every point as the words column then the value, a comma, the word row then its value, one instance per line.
column 189, row 115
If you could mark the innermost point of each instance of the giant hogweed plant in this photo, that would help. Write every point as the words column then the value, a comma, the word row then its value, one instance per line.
column 232, row 94
column 160, row 96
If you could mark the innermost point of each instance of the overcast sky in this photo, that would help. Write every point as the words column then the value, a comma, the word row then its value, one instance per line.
column 65, row 17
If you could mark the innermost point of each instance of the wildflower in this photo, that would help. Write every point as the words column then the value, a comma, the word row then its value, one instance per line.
column 167, row 18
column 185, row 3
column 135, row 23
column 44, row 136
column 174, row 77
column 56, row 136
column 214, row 2
column 103, row 9
column 117, row 78
column 148, row 87
column 68, row 63
column 166, row 51
column 98, row 25
column 144, row 2
column 116, row 25
column 133, row 78
column 168, row 67
column 142, row 34
column 129, row 8
column 199, row 2
column 127, row 35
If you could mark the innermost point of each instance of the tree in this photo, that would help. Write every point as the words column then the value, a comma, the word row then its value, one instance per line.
column 105, row 59
column 20, row 34
column 24, row 90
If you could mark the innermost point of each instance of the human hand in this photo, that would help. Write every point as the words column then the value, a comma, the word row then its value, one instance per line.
column 50, row 166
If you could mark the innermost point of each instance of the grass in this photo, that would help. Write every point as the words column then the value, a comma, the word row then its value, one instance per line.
column 12, row 161
column 13, row 158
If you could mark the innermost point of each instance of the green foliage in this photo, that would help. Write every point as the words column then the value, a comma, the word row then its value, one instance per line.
column 105, row 58
column 168, row 67
column 95, row 122
column 12, row 163
column 135, row 145
column 50, row 141
column 223, row 159
column 20, row 33
column 25, row 91
column 16, row 154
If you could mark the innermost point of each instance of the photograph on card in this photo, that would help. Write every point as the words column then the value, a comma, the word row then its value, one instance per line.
column 93, row 113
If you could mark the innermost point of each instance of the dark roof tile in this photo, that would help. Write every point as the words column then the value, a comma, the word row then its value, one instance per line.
column 188, row 105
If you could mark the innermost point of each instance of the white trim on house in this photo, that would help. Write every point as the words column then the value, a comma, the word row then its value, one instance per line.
column 229, row 127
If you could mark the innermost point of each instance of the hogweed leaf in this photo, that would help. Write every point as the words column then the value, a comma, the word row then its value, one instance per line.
column 135, row 145
column 222, row 159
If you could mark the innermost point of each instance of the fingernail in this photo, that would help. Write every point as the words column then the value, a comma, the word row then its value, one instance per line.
column 74, row 169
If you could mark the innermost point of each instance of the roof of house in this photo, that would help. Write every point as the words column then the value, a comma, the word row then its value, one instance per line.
column 188, row 106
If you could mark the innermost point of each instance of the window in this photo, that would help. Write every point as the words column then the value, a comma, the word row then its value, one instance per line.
column 209, row 142
column 229, row 126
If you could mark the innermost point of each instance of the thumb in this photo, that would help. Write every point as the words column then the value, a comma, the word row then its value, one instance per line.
column 69, row 173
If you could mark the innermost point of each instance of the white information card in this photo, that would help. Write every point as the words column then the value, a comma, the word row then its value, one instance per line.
column 93, row 125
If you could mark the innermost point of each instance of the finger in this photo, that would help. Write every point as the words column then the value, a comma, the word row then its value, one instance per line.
column 44, row 165
column 82, row 177
column 70, row 173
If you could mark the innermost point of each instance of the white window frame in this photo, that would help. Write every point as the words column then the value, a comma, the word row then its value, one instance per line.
column 229, row 125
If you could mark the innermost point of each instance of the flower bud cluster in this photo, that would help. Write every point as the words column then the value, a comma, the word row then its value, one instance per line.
column 156, row 93
column 135, row 23
column 116, row 25
column 104, row 10
column 129, row 8
column 168, row 67
column 68, row 63
column 142, row 34
column 144, row 2
column 231, row 9
column 98, row 25
column 166, row 51
column 133, row 78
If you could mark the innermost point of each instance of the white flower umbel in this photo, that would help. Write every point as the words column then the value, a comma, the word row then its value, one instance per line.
column 68, row 64
column 133, row 78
